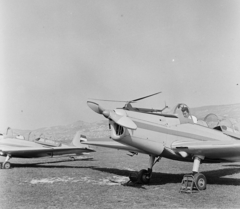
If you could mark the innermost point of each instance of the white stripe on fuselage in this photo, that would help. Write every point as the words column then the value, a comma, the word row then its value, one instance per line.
column 173, row 128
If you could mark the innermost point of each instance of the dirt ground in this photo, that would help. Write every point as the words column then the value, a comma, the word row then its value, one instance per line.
column 98, row 183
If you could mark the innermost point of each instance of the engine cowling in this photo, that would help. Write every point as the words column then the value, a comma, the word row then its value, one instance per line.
column 135, row 139
column 117, row 131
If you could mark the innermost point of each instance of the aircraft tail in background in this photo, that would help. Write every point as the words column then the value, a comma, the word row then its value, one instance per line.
column 78, row 139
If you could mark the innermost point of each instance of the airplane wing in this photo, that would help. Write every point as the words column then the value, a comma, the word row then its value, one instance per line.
column 113, row 145
column 30, row 152
column 228, row 150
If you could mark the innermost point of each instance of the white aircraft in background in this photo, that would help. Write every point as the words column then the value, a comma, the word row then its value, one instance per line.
column 14, row 147
column 173, row 135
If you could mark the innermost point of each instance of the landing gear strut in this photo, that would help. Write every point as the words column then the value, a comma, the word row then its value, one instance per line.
column 6, row 164
column 144, row 176
column 195, row 182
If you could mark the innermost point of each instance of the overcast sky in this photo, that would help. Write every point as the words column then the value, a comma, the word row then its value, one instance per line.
column 57, row 54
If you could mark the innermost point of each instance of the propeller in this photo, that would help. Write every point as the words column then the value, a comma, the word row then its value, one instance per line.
column 96, row 107
column 111, row 114
column 145, row 97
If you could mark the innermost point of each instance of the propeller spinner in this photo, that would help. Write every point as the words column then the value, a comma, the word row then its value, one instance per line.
column 110, row 114
column 96, row 107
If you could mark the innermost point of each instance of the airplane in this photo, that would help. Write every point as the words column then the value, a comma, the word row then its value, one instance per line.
column 170, row 135
column 13, row 147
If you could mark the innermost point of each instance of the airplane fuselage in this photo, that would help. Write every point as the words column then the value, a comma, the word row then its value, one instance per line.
column 158, row 135
column 31, row 149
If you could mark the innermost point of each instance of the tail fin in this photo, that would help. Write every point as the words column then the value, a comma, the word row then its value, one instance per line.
column 78, row 138
column 9, row 135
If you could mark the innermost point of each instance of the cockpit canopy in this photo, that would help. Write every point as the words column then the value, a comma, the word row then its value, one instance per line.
column 211, row 120
column 214, row 121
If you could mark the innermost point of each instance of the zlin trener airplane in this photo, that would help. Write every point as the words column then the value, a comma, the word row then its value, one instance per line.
column 176, row 135
column 14, row 147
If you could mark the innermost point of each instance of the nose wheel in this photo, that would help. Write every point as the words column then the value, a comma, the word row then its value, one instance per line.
column 144, row 176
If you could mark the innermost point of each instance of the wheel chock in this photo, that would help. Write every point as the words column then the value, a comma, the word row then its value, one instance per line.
column 188, row 185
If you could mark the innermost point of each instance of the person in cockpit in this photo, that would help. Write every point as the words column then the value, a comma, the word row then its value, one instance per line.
column 186, row 114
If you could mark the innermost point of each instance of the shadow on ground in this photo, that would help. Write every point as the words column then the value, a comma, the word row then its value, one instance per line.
column 217, row 177
column 213, row 177
column 48, row 164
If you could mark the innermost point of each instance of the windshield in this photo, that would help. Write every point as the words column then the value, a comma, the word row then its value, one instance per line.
column 214, row 120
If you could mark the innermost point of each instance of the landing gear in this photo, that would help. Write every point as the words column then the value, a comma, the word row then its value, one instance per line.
column 6, row 164
column 195, row 182
column 144, row 176
column 200, row 181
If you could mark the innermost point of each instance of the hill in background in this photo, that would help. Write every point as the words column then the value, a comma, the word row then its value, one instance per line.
column 231, row 111
column 66, row 133
column 101, row 130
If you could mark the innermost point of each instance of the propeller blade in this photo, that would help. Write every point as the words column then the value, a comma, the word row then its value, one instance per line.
column 131, row 101
column 95, row 107
column 106, row 100
column 122, row 121
column 145, row 97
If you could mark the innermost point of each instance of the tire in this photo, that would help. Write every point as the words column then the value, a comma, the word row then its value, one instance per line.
column 200, row 181
column 144, row 177
column 7, row 165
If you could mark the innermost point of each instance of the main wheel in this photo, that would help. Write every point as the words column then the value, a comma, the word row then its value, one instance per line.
column 144, row 176
column 7, row 165
column 200, row 181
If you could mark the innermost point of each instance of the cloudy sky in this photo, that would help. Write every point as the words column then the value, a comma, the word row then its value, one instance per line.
column 55, row 55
